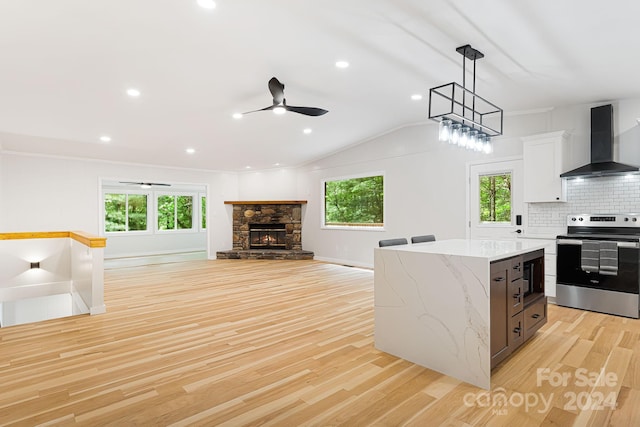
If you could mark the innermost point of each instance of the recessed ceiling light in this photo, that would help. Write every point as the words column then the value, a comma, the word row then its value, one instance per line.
column 276, row 164
column 105, row 138
column 307, row 131
column 247, row 167
column 190, row 150
column 279, row 110
column 133, row 92
column 207, row 4
column 342, row 64
column 237, row 116
column 416, row 97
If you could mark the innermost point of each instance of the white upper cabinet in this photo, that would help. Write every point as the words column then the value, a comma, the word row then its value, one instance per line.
column 544, row 157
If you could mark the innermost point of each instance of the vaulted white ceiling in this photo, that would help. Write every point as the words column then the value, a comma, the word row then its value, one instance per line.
column 65, row 66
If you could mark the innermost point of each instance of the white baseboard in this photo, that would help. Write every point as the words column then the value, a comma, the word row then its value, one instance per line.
column 100, row 309
column 153, row 259
column 344, row 262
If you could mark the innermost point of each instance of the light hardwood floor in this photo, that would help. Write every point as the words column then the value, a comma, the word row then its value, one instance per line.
column 290, row 343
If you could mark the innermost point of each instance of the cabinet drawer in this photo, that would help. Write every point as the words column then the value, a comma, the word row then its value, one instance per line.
column 516, row 329
column 535, row 316
column 515, row 272
column 515, row 296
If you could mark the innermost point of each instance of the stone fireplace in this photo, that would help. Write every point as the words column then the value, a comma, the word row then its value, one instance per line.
column 266, row 230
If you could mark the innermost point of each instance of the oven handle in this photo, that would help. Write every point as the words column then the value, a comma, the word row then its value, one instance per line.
column 569, row 242
column 634, row 245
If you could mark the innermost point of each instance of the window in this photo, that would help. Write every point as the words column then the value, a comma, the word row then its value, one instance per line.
column 495, row 198
column 175, row 212
column 354, row 202
column 203, row 212
column 125, row 212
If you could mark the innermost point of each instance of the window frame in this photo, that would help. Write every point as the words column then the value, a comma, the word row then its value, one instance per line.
column 195, row 214
column 376, row 228
column 149, row 229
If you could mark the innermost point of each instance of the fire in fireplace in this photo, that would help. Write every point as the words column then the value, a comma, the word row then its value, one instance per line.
column 267, row 236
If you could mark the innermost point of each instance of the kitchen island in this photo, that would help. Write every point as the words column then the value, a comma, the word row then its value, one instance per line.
column 458, row 306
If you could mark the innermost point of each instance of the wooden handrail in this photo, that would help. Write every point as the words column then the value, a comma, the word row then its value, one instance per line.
column 79, row 236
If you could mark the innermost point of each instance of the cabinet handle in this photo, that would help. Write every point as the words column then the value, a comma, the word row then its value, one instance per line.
column 516, row 267
column 517, row 330
column 499, row 279
column 516, row 296
column 535, row 316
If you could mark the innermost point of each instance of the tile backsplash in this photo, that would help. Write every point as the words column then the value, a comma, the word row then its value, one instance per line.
column 613, row 194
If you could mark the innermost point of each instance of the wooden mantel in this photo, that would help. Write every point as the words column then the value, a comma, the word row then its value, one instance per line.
column 266, row 202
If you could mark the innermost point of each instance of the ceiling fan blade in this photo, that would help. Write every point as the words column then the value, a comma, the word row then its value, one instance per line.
column 270, row 107
column 145, row 183
column 277, row 90
column 307, row 111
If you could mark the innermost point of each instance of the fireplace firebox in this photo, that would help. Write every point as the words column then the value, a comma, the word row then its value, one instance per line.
column 267, row 236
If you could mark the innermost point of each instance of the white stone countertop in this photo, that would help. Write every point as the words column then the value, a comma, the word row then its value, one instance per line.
column 492, row 250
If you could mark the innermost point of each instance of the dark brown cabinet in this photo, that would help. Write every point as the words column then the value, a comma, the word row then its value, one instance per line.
column 517, row 302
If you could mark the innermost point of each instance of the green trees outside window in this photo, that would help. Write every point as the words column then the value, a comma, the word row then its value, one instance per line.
column 203, row 211
column 175, row 212
column 354, row 202
column 125, row 212
column 137, row 210
column 495, row 198
column 115, row 209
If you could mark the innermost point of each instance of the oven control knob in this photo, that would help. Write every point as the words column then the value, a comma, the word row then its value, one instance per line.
column 634, row 219
column 627, row 219
column 580, row 219
column 573, row 219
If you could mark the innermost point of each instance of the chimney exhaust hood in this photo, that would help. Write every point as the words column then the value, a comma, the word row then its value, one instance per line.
column 602, row 163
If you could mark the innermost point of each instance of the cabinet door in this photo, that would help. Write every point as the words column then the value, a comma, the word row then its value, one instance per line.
column 515, row 296
column 499, row 317
column 517, row 331
column 543, row 162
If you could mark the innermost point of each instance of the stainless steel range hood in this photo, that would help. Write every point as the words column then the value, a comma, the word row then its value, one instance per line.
column 602, row 163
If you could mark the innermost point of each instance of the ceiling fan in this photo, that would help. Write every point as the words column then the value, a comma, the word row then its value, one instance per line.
column 280, row 103
column 146, row 184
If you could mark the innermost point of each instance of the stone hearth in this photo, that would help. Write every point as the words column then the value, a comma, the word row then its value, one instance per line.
column 249, row 214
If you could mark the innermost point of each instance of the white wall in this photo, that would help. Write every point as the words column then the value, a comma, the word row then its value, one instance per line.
column 274, row 184
column 425, row 190
column 47, row 194
column 1, row 186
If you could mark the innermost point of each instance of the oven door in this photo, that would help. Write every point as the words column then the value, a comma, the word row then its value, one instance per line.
column 569, row 268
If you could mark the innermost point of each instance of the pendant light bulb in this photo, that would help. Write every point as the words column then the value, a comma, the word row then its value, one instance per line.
column 464, row 137
column 488, row 147
column 455, row 133
column 444, row 133
column 473, row 139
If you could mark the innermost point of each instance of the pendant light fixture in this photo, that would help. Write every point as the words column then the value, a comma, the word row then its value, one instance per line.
column 466, row 119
